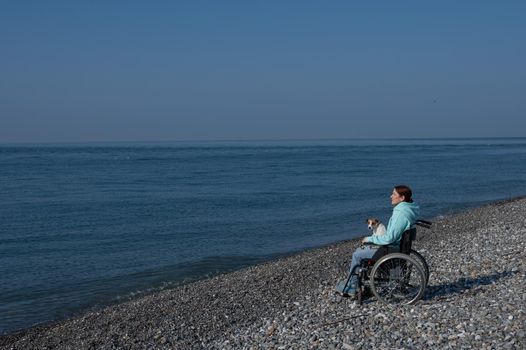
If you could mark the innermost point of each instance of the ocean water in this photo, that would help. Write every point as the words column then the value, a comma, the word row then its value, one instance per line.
column 88, row 225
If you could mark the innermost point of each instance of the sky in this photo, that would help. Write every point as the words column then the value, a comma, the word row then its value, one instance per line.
column 96, row 71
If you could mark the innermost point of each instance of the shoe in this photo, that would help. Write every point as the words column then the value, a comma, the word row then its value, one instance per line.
column 349, row 290
column 351, row 296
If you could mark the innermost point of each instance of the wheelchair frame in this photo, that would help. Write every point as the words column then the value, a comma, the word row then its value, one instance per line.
column 395, row 274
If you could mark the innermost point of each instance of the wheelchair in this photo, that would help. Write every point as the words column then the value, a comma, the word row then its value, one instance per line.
column 395, row 274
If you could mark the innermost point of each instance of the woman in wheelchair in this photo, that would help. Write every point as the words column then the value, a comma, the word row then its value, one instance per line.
column 404, row 216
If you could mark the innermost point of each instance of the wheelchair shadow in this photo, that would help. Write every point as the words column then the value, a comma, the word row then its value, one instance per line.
column 463, row 286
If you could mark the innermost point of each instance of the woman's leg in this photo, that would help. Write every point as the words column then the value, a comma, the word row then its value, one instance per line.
column 365, row 252
column 349, row 285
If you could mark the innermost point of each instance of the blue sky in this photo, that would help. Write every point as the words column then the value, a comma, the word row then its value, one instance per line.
column 75, row 71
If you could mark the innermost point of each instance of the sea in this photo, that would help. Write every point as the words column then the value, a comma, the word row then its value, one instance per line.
column 83, row 226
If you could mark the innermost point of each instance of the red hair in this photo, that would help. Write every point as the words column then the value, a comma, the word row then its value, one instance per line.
column 405, row 191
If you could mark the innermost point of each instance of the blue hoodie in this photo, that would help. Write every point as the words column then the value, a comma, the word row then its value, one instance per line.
column 403, row 218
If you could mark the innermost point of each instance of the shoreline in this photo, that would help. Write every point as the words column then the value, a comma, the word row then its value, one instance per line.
column 256, row 305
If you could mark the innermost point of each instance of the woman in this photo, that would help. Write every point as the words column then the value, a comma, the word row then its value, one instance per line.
column 405, row 213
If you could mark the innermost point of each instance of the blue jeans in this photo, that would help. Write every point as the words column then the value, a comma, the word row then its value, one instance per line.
column 364, row 252
column 370, row 252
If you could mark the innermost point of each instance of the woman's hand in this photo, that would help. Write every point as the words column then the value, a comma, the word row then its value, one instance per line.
column 364, row 240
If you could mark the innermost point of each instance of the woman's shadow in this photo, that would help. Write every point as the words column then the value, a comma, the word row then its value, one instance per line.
column 464, row 285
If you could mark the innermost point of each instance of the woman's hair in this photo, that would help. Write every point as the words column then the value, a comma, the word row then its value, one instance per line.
column 405, row 191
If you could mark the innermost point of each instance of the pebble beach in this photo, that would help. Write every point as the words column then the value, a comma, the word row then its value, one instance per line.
column 475, row 299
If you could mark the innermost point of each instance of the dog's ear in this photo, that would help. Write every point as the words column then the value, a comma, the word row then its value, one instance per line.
column 366, row 221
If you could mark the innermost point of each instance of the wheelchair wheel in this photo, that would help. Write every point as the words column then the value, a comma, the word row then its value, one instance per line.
column 398, row 279
column 422, row 261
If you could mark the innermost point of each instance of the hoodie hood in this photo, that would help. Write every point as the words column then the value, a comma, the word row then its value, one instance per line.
column 410, row 210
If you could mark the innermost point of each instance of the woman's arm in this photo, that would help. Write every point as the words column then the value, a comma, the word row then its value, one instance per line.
column 396, row 226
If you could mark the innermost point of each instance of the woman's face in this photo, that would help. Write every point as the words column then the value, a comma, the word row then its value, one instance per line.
column 396, row 198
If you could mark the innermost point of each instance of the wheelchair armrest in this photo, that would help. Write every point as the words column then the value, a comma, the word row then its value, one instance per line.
column 423, row 223
column 370, row 244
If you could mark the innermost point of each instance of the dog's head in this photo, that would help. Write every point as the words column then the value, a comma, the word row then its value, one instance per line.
column 372, row 223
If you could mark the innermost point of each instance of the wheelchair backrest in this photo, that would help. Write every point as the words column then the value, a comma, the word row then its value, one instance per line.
column 407, row 239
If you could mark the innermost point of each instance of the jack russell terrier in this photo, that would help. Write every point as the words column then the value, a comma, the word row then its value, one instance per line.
column 376, row 226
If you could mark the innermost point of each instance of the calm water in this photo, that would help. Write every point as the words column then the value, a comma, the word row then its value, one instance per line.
column 87, row 225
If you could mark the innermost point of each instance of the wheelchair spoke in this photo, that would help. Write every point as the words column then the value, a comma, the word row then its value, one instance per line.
column 398, row 279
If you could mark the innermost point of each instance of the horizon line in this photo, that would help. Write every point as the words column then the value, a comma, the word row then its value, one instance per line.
column 258, row 140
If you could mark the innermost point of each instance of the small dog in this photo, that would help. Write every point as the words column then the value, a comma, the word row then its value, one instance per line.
column 376, row 226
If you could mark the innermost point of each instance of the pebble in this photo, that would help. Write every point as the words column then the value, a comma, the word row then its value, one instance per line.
column 475, row 299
